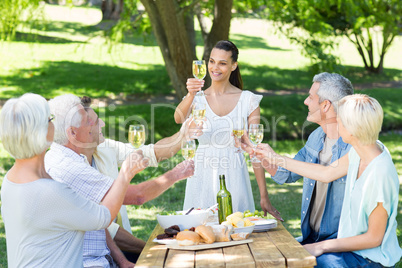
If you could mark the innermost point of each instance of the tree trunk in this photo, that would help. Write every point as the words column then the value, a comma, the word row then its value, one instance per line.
column 170, row 31
column 171, row 27
column 110, row 10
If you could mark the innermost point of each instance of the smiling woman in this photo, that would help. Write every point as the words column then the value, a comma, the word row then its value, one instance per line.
column 228, row 108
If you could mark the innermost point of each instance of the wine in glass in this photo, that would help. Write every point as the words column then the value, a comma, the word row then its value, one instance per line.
column 238, row 130
column 199, row 72
column 188, row 149
column 255, row 134
column 136, row 135
column 198, row 112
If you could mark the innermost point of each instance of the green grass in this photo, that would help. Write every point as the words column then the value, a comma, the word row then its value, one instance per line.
column 69, row 55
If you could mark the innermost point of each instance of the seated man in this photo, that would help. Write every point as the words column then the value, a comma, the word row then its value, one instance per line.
column 76, row 135
column 109, row 155
column 321, row 202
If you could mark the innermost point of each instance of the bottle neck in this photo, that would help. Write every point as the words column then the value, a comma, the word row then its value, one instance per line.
column 222, row 182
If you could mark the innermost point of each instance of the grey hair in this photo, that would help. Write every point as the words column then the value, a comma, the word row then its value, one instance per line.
column 24, row 125
column 333, row 87
column 66, row 111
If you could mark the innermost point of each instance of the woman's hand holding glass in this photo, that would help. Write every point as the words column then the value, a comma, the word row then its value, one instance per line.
column 136, row 135
column 188, row 149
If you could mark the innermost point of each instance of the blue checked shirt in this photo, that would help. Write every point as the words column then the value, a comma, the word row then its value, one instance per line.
column 66, row 166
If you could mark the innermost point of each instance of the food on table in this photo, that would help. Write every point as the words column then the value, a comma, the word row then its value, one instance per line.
column 256, row 213
column 206, row 233
column 239, row 236
column 247, row 223
column 235, row 221
column 169, row 233
column 188, row 238
column 236, row 214
column 222, row 232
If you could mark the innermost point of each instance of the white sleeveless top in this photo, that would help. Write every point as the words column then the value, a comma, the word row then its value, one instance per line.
column 216, row 155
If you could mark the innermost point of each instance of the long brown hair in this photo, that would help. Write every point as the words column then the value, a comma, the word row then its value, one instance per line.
column 235, row 76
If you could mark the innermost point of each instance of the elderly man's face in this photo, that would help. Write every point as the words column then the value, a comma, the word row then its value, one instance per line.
column 96, row 130
column 84, row 134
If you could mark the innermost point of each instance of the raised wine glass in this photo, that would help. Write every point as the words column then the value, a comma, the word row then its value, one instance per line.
column 199, row 72
column 136, row 135
column 188, row 149
column 255, row 134
column 238, row 130
column 198, row 112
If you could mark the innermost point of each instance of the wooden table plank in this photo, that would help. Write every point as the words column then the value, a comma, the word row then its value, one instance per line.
column 296, row 255
column 180, row 259
column 153, row 254
column 265, row 252
column 209, row 258
column 238, row 256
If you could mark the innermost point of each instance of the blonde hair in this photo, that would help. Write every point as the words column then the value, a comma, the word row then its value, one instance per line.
column 362, row 116
column 24, row 125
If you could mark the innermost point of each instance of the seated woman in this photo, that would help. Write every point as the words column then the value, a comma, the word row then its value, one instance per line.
column 367, row 228
column 45, row 221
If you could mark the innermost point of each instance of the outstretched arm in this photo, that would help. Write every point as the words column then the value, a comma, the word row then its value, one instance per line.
column 318, row 172
column 148, row 190
column 167, row 147
column 113, row 199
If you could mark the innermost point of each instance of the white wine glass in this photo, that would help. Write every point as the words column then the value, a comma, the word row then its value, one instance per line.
column 199, row 72
column 238, row 130
column 198, row 112
column 188, row 149
column 255, row 134
column 136, row 135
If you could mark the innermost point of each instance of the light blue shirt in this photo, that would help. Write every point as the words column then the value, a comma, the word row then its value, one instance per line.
column 332, row 212
column 378, row 183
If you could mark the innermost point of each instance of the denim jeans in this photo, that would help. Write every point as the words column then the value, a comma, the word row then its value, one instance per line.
column 346, row 260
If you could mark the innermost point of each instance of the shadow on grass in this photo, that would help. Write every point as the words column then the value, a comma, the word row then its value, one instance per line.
column 54, row 78
column 245, row 41
column 43, row 39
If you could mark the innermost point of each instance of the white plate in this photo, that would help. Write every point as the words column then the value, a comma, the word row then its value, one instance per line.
column 165, row 241
column 261, row 221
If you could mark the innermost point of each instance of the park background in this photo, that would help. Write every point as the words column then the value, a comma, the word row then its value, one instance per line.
column 129, row 83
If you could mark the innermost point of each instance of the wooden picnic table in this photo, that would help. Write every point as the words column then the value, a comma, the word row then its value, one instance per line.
column 273, row 248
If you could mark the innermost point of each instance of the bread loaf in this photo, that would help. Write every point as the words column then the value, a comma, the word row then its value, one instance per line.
column 239, row 236
column 188, row 238
column 206, row 233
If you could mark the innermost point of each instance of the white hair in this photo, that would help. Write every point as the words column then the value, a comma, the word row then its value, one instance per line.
column 333, row 87
column 24, row 125
column 362, row 116
column 66, row 111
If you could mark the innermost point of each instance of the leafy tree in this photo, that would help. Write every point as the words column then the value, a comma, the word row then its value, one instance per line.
column 172, row 22
column 12, row 14
column 371, row 25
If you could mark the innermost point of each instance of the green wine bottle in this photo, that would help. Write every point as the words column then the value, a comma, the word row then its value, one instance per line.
column 224, row 200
